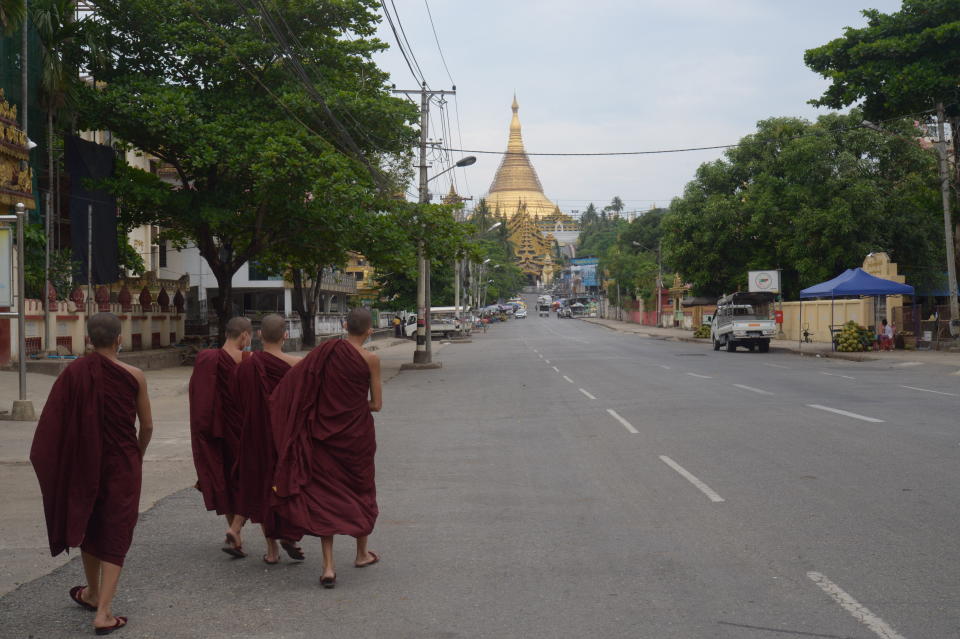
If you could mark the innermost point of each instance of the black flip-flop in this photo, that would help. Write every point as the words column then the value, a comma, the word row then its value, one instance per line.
column 118, row 624
column 293, row 550
column 376, row 558
column 329, row 582
column 233, row 548
column 76, row 593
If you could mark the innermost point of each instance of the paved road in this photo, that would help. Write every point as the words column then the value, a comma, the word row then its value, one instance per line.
column 558, row 479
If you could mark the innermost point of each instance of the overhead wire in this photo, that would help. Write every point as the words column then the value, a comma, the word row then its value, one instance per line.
column 396, row 14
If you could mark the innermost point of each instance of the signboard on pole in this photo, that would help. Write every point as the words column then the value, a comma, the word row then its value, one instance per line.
column 6, row 266
column 764, row 281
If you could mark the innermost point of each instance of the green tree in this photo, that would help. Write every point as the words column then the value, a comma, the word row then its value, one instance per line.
column 616, row 206
column 12, row 13
column 900, row 63
column 812, row 199
column 253, row 122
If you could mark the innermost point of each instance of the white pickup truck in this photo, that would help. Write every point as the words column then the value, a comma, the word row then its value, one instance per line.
column 743, row 319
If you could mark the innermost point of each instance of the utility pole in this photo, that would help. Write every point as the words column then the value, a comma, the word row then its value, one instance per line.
column 947, row 228
column 659, row 284
column 423, row 356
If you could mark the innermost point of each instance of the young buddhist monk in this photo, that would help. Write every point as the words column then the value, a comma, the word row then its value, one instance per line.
column 255, row 380
column 88, row 457
column 215, row 428
column 323, row 428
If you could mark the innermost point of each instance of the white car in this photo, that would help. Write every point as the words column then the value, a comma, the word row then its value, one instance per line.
column 520, row 313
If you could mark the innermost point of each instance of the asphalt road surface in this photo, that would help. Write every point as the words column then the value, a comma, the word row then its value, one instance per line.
column 558, row 479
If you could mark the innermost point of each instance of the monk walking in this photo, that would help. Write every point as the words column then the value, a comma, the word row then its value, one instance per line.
column 255, row 380
column 88, row 457
column 215, row 428
column 323, row 428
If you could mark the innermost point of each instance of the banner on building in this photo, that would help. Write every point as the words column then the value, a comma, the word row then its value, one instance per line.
column 6, row 266
column 86, row 163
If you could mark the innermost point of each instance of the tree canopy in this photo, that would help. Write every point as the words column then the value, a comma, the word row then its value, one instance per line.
column 810, row 198
column 267, row 134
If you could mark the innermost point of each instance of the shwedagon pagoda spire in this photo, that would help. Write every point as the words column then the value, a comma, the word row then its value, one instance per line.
column 516, row 182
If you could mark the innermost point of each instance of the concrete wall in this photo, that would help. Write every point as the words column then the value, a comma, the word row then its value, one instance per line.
column 817, row 316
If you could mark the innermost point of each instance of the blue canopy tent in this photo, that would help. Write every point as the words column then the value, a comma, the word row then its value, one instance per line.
column 852, row 282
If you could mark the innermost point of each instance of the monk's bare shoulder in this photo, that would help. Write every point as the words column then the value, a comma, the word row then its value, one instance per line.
column 292, row 360
column 370, row 357
column 133, row 370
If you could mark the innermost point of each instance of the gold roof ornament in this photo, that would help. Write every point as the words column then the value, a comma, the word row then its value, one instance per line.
column 516, row 183
column 16, row 176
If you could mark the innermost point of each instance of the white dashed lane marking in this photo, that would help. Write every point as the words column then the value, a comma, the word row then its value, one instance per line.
column 846, row 413
column 927, row 390
column 568, row 379
column 690, row 477
column 625, row 423
column 753, row 390
column 587, row 393
column 857, row 610
column 699, row 375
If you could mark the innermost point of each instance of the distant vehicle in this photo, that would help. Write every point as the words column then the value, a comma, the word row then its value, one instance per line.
column 520, row 313
column 564, row 312
column 743, row 319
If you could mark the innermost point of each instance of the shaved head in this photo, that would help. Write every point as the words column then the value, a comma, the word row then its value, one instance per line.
column 103, row 329
column 272, row 328
column 359, row 321
column 237, row 326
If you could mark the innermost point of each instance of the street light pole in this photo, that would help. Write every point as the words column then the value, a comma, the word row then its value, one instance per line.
column 947, row 227
column 422, row 356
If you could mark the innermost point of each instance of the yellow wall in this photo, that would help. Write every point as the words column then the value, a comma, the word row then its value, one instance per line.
column 816, row 316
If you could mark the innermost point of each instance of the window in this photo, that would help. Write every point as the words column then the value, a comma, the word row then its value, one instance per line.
column 358, row 275
column 256, row 271
column 163, row 254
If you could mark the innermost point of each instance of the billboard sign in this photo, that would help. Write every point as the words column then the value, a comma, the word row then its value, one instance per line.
column 764, row 281
column 6, row 266
column 585, row 268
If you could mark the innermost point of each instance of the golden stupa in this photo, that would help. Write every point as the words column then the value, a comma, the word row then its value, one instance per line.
column 516, row 185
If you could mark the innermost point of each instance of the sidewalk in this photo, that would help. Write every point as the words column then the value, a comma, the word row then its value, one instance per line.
column 817, row 349
column 168, row 466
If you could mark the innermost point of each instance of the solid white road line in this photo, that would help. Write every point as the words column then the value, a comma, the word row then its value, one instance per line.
column 555, row 368
column 589, row 396
column 699, row 375
column 837, row 375
column 859, row 612
column 846, row 413
column 775, row 365
column 625, row 423
column 927, row 390
column 686, row 474
column 568, row 379
column 752, row 389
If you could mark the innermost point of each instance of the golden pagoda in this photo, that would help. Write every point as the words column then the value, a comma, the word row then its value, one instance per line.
column 516, row 183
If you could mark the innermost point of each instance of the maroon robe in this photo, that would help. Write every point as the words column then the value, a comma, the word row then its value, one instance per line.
column 87, row 458
column 323, row 429
column 215, row 429
column 254, row 381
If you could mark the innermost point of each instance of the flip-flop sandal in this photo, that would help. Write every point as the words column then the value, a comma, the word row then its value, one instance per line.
column 293, row 550
column 118, row 624
column 329, row 582
column 233, row 548
column 76, row 593
column 268, row 562
column 375, row 556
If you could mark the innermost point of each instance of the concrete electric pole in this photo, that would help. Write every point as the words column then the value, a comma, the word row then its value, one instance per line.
column 423, row 356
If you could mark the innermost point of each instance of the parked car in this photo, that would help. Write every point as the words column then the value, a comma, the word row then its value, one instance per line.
column 520, row 313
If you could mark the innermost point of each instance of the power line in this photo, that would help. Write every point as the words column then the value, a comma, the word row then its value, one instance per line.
column 437, row 39
column 396, row 14
column 596, row 154
column 396, row 36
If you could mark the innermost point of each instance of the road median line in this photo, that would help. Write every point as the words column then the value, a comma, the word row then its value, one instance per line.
column 587, row 393
column 846, row 413
column 625, row 423
column 857, row 610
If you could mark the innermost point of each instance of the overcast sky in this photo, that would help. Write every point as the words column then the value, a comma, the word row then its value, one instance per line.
column 617, row 75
